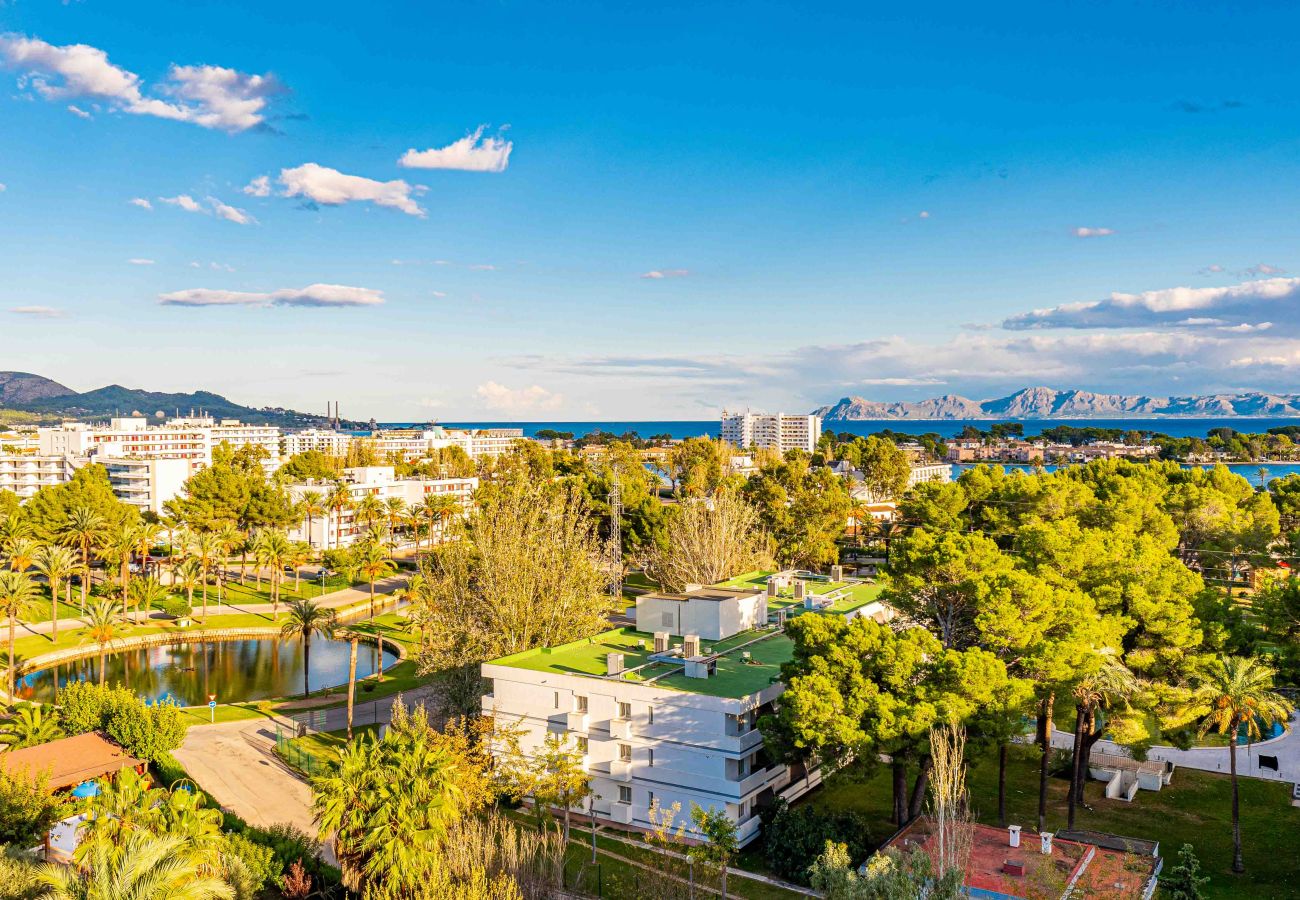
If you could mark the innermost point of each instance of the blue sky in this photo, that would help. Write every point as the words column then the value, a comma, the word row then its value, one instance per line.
column 841, row 200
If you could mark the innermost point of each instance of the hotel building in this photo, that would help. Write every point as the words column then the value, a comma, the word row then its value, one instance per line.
column 780, row 432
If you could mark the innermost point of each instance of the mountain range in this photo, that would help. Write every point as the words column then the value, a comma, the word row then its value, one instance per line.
column 45, row 399
column 1047, row 403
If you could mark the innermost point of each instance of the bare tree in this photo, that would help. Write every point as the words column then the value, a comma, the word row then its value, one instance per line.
column 709, row 540
column 954, row 827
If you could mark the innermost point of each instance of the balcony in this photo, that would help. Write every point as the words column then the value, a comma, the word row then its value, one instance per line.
column 621, row 813
column 576, row 721
column 620, row 729
column 620, row 770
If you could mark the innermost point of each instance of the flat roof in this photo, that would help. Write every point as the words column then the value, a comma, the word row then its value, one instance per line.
column 734, row 678
column 69, row 761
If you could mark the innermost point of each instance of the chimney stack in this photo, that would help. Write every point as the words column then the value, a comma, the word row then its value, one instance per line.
column 1046, row 838
column 1013, row 835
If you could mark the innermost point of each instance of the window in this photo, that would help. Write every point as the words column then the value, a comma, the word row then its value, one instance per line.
column 625, row 710
column 582, row 745
column 650, row 798
column 624, row 794
column 625, row 752
column 652, row 757
column 581, row 703
column 652, row 715
column 557, row 699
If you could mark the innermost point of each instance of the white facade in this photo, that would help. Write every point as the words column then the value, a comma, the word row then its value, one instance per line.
column 145, row 483
column 486, row 441
column 341, row 529
column 778, row 432
column 645, row 743
column 24, row 475
column 333, row 443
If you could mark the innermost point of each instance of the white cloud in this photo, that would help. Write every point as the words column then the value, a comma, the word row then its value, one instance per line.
column 2, row 188
column 140, row 262
column 472, row 153
column 512, row 400
column 196, row 265
column 439, row 294
column 331, row 187
column 1181, row 306
column 37, row 312
column 78, row 111
column 923, row 214
column 230, row 213
column 209, row 96
column 1261, row 269
column 185, row 202
column 1093, row 232
column 141, row 202
column 903, row 382
column 313, row 295
column 258, row 187
column 665, row 273
column 482, row 267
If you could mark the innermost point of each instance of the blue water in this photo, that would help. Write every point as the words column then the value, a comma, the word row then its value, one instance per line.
column 1248, row 471
column 943, row 428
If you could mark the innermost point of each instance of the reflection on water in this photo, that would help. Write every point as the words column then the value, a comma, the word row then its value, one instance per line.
column 246, row 669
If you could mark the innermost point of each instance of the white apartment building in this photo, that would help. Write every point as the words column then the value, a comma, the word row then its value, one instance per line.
column 333, row 443
column 129, row 436
column 341, row 529
column 19, row 442
column 778, row 432
column 233, row 432
column 24, row 475
column 486, row 441
column 665, row 712
column 146, row 483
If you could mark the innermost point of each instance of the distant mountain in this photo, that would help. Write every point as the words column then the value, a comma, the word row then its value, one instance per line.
column 24, row 387
column 31, row 393
column 1046, row 403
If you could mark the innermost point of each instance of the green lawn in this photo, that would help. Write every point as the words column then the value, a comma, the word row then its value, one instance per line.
column 251, row 592
column 1194, row 809
column 310, row 753
column 225, row 712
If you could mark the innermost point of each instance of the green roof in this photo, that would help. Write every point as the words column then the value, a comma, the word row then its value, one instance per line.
column 733, row 677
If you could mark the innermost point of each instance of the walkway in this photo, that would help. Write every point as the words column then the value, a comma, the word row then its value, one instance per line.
column 336, row 600
column 1285, row 749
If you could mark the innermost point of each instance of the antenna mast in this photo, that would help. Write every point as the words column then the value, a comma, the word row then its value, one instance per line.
column 614, row 547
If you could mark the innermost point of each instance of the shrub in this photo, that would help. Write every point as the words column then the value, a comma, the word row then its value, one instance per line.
column 253, row 862
column 289, row 845
column 27, row 809
column 146, row 731
column 177, row 608
column 795, row 837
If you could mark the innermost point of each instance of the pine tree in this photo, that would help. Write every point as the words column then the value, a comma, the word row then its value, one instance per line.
column 1185, row 880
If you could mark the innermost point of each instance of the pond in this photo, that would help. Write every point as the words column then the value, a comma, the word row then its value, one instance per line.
column 237, row 670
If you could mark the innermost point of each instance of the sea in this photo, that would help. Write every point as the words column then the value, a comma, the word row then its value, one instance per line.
column 945, row 428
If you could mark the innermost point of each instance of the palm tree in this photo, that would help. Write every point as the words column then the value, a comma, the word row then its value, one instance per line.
column 228, row 537
column 146, row 867
column 352, row 677
column 103, row 627
column 56, row 564
column 311, row 505
column 147, row 534
column 1237, row 691
column 30, row 726
column 859, row 513
column 370, row 513
column 396, row 507
column 300, row 553
column 373, row 563
column 340, row 498
column 22, row 554
column 13, row 528
column 206, row 547
column 118, row 548
column 83, row 529
column 274, row 551
column 305, row 618
column 148, row 593
column 1112, row 683
column 189, row 575
column 889, row 532
column 17, row 598
column 439, row 510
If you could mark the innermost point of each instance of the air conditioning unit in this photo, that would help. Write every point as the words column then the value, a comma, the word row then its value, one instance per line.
column 691, row 645
column 614, row 663
column 661, row 642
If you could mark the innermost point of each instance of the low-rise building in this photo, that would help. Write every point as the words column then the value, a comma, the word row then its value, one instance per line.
column 340, row 528
column 665, row 712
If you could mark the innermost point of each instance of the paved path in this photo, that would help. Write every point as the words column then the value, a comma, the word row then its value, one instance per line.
column 1286, row 749
column 335, row 600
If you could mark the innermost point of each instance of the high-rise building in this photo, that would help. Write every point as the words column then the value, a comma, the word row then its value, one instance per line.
column 778, row 432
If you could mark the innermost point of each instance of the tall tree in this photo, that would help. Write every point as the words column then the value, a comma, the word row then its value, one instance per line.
column 83, row 528
column 17, row 599
column 104, row 628
column 57, row 565
column 304, row 619
column 709, row 541
column 1236, row 693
